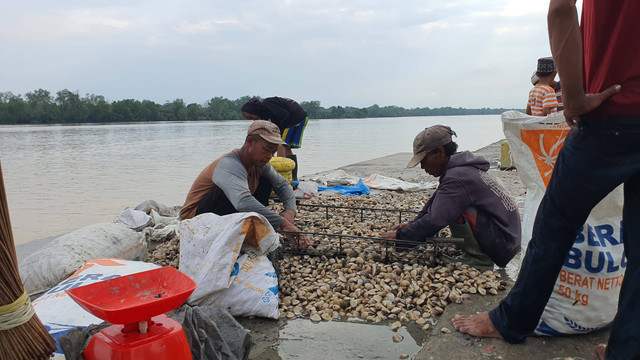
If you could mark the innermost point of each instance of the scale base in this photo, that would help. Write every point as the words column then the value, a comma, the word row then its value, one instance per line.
column 165, row 340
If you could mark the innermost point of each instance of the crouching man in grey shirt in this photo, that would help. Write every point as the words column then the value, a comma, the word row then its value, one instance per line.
column 241, row 181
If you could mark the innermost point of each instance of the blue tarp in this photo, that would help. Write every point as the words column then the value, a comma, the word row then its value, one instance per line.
column 358, row 189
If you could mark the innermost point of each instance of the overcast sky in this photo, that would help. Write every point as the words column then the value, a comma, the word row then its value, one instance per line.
column 460, row 53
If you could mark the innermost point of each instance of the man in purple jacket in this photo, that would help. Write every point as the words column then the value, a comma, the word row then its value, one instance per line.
column 469, row 199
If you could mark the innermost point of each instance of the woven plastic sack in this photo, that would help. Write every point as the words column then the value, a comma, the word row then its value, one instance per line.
column 586, row 292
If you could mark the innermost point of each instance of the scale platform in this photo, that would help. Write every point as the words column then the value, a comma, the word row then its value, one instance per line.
column 135, row 304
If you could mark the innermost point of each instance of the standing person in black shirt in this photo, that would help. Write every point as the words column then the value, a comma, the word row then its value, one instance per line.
column 288, row 115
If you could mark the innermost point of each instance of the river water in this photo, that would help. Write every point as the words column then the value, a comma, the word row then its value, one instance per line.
column 60, row 178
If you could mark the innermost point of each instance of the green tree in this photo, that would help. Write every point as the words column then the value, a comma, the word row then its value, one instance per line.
column 41, row 107
column 70, row 107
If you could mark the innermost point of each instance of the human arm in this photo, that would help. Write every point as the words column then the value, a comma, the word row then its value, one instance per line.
column 566, row 47
column 528, row 111
column 445, row 206
column 289, row 215
column 283, row 189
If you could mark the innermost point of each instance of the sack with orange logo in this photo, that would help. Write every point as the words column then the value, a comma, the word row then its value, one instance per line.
column 586, row 292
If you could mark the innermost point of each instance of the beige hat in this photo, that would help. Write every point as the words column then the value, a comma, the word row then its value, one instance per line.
column 267, row 130
column 428, row 140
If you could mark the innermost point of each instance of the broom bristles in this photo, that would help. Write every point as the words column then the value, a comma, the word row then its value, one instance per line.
column 30, row 340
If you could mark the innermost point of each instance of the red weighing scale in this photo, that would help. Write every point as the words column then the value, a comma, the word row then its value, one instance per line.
column 136, row 304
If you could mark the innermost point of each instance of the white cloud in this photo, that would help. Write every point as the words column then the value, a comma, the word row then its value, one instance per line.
column 353, row 53
column 206, row 26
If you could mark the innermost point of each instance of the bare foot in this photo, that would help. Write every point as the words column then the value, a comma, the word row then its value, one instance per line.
column 477, row 325
column 601, row 351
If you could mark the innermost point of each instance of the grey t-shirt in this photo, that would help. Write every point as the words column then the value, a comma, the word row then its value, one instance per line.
column 231, row 177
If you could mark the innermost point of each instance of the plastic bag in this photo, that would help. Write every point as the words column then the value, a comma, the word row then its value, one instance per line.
column 306, row 190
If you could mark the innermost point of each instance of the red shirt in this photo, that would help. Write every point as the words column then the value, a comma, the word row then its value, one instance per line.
column 611, row 47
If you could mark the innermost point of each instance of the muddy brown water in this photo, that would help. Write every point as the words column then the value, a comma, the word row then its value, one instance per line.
column 347, row 339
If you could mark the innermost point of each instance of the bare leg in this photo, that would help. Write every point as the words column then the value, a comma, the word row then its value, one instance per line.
column 601, row 351
column 479, row 325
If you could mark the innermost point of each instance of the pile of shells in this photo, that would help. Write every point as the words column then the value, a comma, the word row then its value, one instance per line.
column 344, row 277
column 326, row 289
column 366, row 224
column 166, row 254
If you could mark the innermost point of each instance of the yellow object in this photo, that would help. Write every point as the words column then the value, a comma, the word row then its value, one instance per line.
column 284, row 166
column 506, row 160
column 16, row 313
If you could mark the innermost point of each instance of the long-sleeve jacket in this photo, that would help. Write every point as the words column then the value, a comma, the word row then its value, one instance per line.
column 466, row 182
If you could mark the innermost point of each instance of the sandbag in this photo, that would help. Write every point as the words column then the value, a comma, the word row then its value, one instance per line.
column 66, row 254
column 210, row 247
column 586, row 292
column 61, row 314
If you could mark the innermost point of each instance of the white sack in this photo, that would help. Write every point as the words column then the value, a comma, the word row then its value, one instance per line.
column 210, row 245
column 382, row 182
column 586, row 292
column 134, row 219
column 253, row 292
column 66, row 254
column 374, row 181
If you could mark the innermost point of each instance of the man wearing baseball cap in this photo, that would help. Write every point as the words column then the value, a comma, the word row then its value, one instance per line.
column 242, row 180
column 469, row 199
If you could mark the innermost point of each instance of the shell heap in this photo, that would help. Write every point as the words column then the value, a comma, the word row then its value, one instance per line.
column 342, row 277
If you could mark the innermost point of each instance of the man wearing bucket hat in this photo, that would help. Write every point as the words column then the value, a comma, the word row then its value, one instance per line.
column 542, row 98
column 469, row 199
column 242, row 180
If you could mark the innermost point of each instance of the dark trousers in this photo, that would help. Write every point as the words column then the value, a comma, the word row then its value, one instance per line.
column 217, row 202
column 594, row 161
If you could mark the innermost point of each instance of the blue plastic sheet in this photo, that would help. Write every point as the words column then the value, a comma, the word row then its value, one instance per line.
column 358, row 189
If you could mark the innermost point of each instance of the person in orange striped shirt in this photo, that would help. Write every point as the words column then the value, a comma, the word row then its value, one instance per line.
column 542, row 98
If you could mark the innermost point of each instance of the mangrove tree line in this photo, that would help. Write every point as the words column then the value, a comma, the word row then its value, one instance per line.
column 66, row 107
